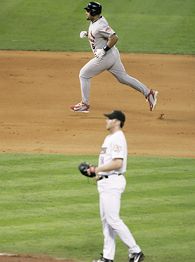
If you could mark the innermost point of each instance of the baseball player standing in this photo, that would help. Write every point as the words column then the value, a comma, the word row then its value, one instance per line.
column 111, row 182
column 102, row 39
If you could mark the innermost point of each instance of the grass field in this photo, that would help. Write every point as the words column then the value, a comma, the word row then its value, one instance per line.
column 48, row 208
column 151, row 26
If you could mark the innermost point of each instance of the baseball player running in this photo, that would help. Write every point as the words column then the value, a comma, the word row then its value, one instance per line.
column 111, row 182
column 102, row 39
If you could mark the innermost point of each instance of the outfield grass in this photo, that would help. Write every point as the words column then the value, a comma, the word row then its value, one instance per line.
column 151, row 26
column 47, row 207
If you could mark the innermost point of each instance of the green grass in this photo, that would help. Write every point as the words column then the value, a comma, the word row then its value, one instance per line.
column 47, row 207
column 151, row 26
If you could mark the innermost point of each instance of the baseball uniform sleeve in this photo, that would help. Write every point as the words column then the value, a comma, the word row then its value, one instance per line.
column 106, row 31
column 118, row 146
column 117, row 151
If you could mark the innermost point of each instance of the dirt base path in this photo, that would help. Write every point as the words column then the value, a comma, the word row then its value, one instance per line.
column 27, row 258
column 37, row 89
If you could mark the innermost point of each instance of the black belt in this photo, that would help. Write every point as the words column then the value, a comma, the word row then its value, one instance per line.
column 101, row 177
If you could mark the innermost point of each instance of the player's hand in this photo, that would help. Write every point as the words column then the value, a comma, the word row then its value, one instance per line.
column 83, row 34
column 100, row 53
column 87, row 169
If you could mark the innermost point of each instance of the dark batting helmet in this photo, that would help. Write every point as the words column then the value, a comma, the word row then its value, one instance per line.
column 93, row 8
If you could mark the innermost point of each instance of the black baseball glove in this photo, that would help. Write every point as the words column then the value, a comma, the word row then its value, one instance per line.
column 87, row 169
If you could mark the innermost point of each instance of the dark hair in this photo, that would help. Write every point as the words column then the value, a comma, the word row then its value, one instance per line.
column 122, row 124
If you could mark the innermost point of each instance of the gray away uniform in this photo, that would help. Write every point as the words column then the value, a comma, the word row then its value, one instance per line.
column 98, row 34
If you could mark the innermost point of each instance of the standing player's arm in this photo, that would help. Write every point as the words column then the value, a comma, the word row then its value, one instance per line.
column 115, row 164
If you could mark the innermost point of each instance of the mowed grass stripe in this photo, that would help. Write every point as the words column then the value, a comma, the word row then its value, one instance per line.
column 47, row 207
column 142, row 26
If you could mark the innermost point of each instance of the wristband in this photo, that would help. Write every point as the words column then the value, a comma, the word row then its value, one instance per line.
column 106, row 48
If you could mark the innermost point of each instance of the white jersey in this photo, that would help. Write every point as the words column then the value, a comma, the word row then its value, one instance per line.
column 114, row 146
column 98, row 33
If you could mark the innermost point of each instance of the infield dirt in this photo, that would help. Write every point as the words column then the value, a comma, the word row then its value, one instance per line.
column 37, row 89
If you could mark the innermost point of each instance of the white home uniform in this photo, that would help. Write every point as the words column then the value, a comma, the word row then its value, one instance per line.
column 110, row 189
column 98, row 34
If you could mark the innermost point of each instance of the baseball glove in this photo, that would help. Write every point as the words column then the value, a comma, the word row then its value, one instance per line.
column 87, row 169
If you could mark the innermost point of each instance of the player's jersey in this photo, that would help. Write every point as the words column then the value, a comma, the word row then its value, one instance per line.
column 114, row 146
column 98, row 33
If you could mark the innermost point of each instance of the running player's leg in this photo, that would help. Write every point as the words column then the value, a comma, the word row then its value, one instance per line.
column 92, row 68
column 120, row 73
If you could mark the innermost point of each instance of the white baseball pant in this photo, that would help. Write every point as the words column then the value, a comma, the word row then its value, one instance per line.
column 110, row 190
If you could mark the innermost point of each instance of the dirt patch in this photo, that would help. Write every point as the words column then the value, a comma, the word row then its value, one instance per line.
column 37, row 89
column 28, row 258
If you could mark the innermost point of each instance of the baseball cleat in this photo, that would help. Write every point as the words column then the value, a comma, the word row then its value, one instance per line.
column 80, row 107
column 152, row 99
column 102, row 259
column 136, row 257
